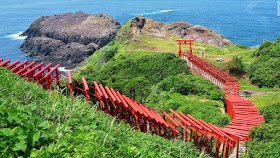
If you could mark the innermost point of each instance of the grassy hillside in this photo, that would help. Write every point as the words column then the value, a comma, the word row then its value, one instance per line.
column 184, row 92
column 144, row 67
column 36, row 123
column 191, row 95
column 261, row 66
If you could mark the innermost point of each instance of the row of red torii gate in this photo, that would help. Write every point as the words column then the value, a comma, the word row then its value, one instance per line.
column 170, row 125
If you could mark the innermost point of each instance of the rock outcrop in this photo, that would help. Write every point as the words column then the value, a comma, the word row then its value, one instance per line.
column 141, row 25
column 69, row 38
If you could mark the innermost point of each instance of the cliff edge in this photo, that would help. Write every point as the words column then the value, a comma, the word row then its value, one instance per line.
column 69, row 38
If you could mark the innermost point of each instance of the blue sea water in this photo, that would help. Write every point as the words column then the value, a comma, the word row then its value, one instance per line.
column 247, row 22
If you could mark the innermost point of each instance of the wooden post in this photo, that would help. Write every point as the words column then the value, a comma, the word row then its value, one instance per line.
column 237, row 148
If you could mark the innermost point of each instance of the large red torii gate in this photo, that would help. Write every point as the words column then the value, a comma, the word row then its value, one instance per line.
column 184, row 42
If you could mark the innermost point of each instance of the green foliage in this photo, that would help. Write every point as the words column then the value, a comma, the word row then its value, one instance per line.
column 137, row 87
column 227, row 53
column 235, row 66
column 271, row 113
column 35, row 123
column 187, row 84
column 109, row 52
column 242, row 46
column 200, row 108
column 21, row 130
column 263, row 48
column 265, row 71
column 266, row 138
column 278, row 40
column 143, row 69
column 134, row 74
column 262, row 96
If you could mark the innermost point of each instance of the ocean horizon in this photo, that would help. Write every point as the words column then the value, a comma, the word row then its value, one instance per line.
column 244, row 23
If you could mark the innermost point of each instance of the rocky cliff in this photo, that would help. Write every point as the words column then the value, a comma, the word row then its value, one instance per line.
column 141, row 25
column 69, row 38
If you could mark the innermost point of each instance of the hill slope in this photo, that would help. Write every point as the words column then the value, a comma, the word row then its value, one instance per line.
column 145, row 67
column 41, row 124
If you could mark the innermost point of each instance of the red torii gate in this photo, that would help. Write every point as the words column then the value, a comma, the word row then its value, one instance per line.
column 184, row 42
column 205, row 135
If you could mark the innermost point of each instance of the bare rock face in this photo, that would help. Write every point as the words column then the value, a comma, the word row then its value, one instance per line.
column 141, row 25
column 69, row 38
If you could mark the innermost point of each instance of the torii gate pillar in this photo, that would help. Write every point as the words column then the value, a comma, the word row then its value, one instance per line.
column 184, row 42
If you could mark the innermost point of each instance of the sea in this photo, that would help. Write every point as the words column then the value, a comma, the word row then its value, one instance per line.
column 248, row 22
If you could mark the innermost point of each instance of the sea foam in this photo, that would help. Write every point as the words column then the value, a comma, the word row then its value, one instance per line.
column 63, row 70
column 156, row 12
column 16, row 36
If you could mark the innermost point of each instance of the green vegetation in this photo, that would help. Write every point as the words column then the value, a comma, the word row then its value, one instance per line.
column 143, row 67
column 265, row 138
column 133, row 74
column 227, row 53
column 39, row 124
column 261, row 97
column 265, row 71
column 191, row 95
column 201, row 108
column 235, row 67
column 36, row 123
column 190, row 84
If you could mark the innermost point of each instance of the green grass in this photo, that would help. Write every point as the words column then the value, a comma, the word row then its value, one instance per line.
column 190, row 94
column 263, row 96
column 136, row 48
column 199, row 107
column 134, row 74
column 226, row 52
column 36, row 123
column 265, row 71
column 265, row 140
column 265, row 100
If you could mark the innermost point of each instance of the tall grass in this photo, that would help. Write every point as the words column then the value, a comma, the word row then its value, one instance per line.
column 35, row 123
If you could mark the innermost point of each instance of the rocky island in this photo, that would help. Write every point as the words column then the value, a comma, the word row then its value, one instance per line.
column 69, row 38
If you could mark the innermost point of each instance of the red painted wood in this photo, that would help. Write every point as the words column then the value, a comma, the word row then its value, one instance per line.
column 5, row 63
column 16, row 68
column 26, row 68
column 41, row 72
column 243, row 113
column 85, row 88
column 13, row 64
column 30, row 72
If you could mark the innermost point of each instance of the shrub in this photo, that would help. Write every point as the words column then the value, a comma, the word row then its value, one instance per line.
column 109, row 52
column 235, row 66
column 135, row 75
column 199, row 107
column 189, row 84
column 266, row 138
column 263, row 48
column 265, row 71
